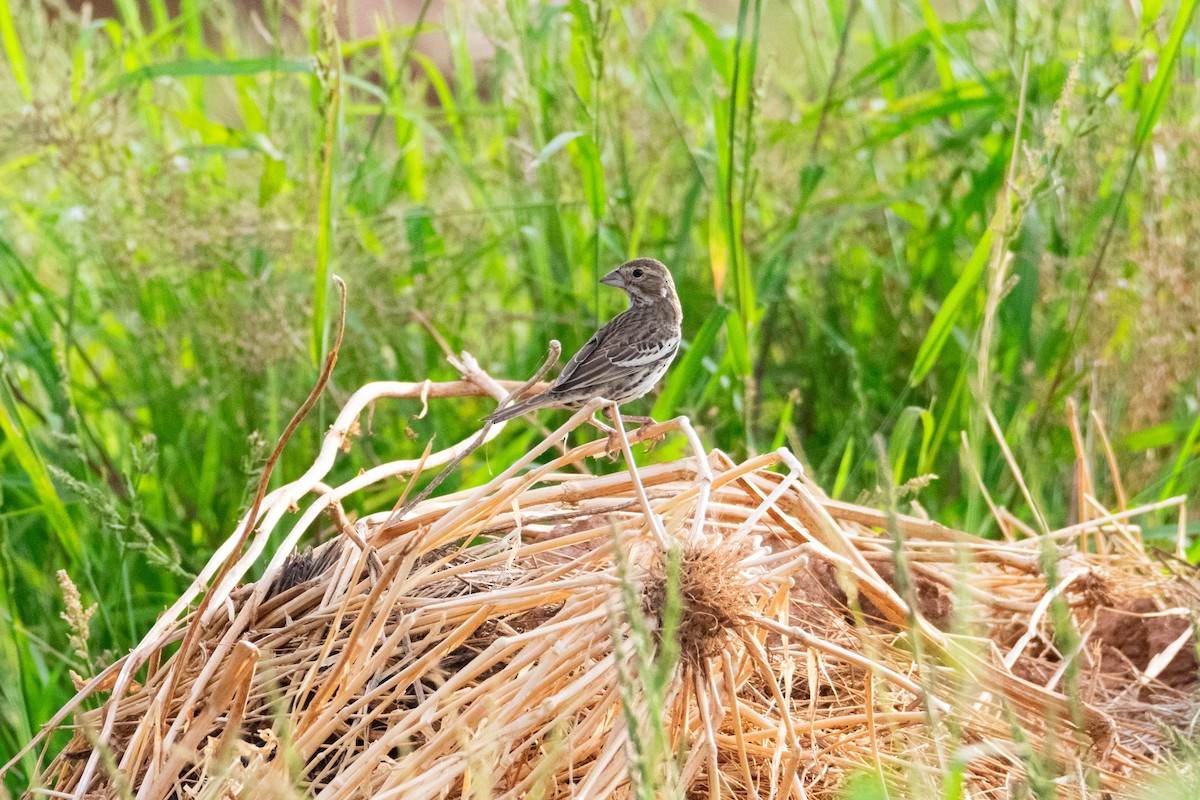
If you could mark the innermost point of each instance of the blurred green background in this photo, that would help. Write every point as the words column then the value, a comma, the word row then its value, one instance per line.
column 884, row 218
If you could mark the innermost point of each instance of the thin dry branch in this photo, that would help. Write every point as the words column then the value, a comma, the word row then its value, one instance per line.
column 555, row 350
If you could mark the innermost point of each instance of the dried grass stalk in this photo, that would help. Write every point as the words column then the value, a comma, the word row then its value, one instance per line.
column 479, row 645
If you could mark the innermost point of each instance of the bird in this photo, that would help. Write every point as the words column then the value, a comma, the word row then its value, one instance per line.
column 626, row 357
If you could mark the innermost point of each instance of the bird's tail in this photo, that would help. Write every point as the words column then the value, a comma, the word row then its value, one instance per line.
column 517, row 409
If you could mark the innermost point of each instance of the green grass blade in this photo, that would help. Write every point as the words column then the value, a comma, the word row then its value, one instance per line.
column 843, row 470
column 586, row 155
column 901, row 440
column 1155, row 436
column 941, row 53
column 1154, row 99
column 206, row 68
column 12, row 49
column 332, row 89
column 785, row 423
column 27, row 456
column 1181, row 460
column 947, row 316
column 720, row 54
column 553, row 146
column 131, row 17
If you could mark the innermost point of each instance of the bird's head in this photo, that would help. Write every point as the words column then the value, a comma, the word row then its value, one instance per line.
column 643, row 279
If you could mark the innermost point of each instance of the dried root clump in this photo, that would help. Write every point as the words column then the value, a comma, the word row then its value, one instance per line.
column 714, row 592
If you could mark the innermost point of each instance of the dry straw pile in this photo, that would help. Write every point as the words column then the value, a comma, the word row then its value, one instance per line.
column 507, row 641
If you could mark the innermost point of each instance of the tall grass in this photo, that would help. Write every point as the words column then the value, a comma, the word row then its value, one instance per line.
column 839, row 187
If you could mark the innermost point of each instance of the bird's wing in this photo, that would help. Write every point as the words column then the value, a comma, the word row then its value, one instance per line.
column 580, row 370
column 619, row 345
column 645, row 351
column 583, row 356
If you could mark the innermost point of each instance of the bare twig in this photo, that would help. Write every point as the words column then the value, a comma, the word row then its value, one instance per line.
column 551, row 360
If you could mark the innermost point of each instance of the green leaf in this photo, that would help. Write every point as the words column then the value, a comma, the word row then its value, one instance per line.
column 274, row 175
column 864, row 785
column 12, row 49
column 785, row 423
column 739, row 346
column 31, row 462
column 587, row 159
column 1181, row 461
column 941, row 53
column 552, row 147
column 445, row 96
column 843, row 473
column 901, row 439
column 204, row 68
column 948, row 314
column 1154, row 99
column 928, row 429
column 719, row 52
column 1150, row 438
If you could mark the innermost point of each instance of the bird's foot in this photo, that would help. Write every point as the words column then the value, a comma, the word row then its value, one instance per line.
column 612, row 448
column 652, row 442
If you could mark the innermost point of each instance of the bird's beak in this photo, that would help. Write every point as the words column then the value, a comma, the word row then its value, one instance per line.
column 613, row 279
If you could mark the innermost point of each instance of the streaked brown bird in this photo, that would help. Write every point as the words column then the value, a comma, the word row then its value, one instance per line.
column 625, row 358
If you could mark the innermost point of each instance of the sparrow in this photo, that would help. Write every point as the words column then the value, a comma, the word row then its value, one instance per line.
column 627, row 356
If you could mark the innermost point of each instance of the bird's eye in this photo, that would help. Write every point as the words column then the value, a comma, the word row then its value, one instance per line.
column 637, row 273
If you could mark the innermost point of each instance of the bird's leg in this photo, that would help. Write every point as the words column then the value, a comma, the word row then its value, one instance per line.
column 650, row 443
column 613, row 447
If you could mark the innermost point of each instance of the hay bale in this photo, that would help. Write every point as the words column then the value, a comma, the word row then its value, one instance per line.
column 492, row 648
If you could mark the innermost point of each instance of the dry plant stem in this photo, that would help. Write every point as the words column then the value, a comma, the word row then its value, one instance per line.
column 700, row 510
column 738, row 728
column 310, row 515
column 973, row 468
column 1000, row 258
column 652, row 520
column 1016, row 471
column 1083, row 471
column 285, row 497
column 469, row 508
column 1113, row 471
column 1030, row 697
column 551, row 359
column 347, row 529
column 100, row 682
column 565, row 492
column 795, row 471
column 1035, row 619
column 415, row 476
column 329, row 451
column 1127, row 536
column 825, row 646
column 228, row 698
column 1099, row 522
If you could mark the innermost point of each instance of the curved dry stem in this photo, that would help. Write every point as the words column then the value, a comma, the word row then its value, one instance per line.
column 551, row 360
